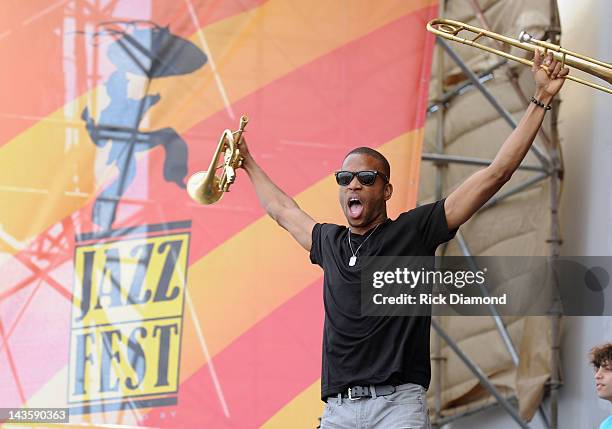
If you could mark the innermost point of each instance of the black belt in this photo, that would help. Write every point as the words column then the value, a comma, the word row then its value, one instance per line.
column 356, row 392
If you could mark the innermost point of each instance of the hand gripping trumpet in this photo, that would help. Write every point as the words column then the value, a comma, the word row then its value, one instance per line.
column 205, row 187
column 450, row 30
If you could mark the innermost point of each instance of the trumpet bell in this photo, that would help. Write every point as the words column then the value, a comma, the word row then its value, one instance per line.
column 201, row 192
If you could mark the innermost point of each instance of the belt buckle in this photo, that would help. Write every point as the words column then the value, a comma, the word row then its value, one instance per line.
column 350, row 395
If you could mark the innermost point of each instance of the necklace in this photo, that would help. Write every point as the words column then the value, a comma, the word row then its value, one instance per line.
column 353, row 259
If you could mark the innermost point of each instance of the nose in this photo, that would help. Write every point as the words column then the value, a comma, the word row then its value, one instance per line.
column 598, row 374
column 355, row 183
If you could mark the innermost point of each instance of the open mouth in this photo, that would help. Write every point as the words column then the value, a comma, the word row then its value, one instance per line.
column 355, row 207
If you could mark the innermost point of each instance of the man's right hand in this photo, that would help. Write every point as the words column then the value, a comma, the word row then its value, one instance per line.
column 244, row 152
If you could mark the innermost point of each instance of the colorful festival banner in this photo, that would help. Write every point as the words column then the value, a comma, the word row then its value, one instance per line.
column 123, row 300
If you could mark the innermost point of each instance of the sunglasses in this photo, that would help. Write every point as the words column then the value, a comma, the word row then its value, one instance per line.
column 365, row 177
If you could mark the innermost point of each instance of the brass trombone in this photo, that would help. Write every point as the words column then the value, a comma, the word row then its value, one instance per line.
column 205, row 187
column 450, row 29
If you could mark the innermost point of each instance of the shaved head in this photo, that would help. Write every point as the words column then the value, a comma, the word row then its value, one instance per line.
column 384, row 164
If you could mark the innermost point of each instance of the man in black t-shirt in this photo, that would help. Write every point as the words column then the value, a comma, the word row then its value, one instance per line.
column 376, row 370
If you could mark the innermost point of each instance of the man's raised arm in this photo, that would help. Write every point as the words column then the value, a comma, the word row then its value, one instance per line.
column 281, row 207
column 472, row 194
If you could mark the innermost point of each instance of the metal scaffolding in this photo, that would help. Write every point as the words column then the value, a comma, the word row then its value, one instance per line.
column 549, row 168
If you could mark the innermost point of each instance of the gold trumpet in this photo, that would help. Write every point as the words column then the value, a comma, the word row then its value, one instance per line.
column 205, row 187
column 449, row 29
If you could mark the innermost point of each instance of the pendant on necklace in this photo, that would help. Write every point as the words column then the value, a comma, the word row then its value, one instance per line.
column 352, row 261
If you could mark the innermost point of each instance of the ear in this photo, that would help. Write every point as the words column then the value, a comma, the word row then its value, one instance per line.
column 388, row 191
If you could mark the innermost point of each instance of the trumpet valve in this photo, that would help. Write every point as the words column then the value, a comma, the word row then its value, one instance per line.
column 230, row 175
column 238, row 159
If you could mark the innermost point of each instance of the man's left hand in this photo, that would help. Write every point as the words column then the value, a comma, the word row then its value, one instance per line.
column 548, row 82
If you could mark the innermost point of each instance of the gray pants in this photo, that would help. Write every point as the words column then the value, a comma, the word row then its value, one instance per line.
column 406, row 408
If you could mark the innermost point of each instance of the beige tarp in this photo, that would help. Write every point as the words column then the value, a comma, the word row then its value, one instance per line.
column 520, row 225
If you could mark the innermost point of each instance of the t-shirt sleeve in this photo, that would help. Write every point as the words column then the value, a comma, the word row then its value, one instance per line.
column 316, row 250
column 431, row 222
column 606, row 424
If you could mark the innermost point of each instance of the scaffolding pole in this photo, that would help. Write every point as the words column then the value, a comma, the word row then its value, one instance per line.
column 503, row 112
column 499, row 323
column 482, row 378
column 554, row 34
column 469, row 160
column 475, row 410
column 437, row 354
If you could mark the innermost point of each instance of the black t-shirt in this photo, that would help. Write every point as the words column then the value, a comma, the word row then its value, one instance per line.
column 365, row 350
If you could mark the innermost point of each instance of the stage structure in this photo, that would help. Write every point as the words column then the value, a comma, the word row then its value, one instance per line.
column 476, row 99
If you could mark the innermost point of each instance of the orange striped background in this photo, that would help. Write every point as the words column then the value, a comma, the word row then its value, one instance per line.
column 316, row 78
